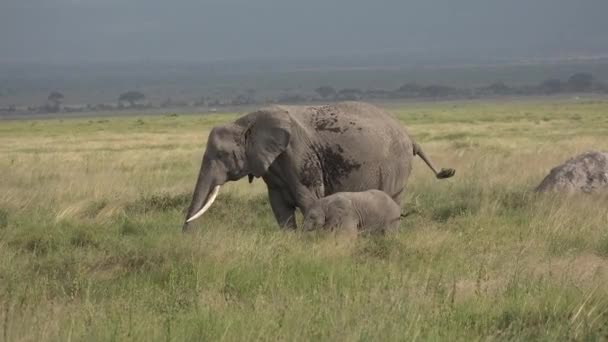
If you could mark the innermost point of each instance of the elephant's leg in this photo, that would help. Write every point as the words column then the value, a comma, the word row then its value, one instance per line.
column 397, row 196
column 332, row 222
column 284, row 212
column 350, row 224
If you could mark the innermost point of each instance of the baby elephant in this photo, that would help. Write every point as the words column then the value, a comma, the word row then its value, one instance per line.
column 370, row 211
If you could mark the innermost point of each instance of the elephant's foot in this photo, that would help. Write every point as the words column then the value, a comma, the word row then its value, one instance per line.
column 446, row 173
column 289, row 224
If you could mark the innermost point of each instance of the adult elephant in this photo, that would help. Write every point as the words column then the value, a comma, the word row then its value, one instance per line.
column 306, row 153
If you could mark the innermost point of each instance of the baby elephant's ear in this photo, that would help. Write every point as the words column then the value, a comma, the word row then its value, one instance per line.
column 267, row 137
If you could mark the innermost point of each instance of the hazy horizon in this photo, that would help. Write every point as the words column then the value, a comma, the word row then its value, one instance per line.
column 189, row 31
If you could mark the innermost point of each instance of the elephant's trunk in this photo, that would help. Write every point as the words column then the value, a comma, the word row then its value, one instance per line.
column 205, row 193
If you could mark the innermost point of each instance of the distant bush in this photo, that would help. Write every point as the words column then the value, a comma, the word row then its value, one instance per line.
column 131, row 97
column 580, row 82
column 54, row 102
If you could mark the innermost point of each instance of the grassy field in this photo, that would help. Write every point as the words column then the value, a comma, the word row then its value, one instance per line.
column 91, row 245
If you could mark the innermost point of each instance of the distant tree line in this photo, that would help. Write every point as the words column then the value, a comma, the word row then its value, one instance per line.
column 577, row 83
column 132, row 99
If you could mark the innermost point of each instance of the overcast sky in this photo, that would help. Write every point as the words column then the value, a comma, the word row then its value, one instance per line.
column 67, row 31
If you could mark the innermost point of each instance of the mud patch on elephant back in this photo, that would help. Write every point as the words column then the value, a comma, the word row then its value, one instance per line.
column 325, row 119
column 336, row 166
column 327, row 125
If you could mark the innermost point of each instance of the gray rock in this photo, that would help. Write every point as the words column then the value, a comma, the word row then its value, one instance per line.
column 587, row 172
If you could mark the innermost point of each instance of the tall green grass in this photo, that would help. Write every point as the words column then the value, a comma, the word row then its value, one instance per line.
column 91, row 245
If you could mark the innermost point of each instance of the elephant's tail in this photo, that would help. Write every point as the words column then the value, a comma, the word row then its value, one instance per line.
column 444, row 173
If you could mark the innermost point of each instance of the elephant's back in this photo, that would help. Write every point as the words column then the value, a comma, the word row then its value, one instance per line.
column 366, row 113
column 349, row 118
column 363, row 126
column 364, row 147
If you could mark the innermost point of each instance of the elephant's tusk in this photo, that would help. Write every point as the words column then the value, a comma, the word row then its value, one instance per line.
column 212, row 197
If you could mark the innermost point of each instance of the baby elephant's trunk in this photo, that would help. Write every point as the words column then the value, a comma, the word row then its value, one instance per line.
column 444, row 173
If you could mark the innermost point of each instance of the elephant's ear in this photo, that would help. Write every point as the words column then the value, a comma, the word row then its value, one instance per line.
column 267, row 137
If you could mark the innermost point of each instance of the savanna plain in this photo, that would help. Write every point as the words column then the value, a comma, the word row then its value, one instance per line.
column 91, row 246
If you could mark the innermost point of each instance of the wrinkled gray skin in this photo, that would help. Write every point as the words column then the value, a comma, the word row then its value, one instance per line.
column 306, row 153
column 371, row 211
